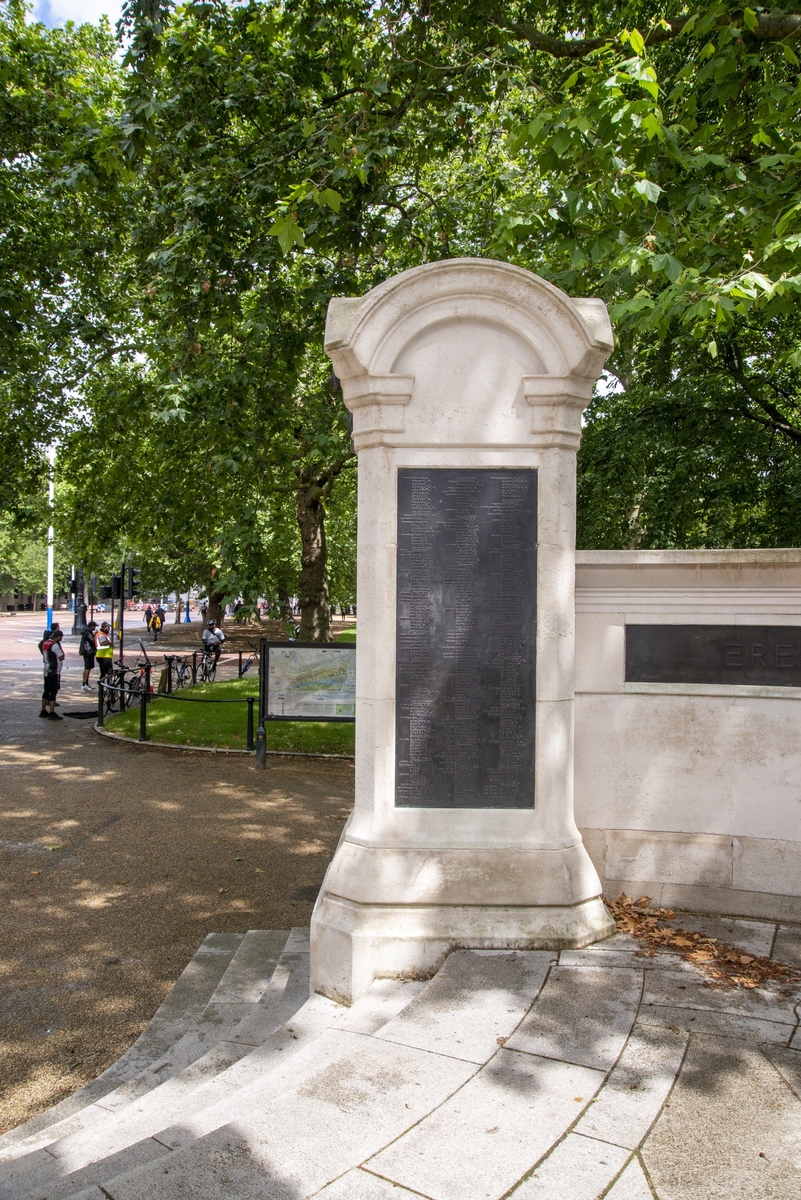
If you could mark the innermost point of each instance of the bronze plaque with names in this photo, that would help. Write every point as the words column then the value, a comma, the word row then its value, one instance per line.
column 765, row 655
column 466, row 638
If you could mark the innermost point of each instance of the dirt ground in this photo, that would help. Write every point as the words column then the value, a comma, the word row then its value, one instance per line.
column 115, row 862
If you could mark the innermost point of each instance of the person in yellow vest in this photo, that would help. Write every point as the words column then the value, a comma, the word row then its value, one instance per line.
column 104, row 652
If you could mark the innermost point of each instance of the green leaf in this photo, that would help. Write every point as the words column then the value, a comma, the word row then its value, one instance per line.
column 330, row 198
column 647, row 188
column 637, row 43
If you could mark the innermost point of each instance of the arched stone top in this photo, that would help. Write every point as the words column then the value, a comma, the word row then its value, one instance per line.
column 468, row 345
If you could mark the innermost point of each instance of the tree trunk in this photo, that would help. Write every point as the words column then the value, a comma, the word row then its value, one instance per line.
column 215, row 612
column 315, row 619
column 179, row 607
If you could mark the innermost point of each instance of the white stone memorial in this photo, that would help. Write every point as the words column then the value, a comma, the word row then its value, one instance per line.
column 466, row 380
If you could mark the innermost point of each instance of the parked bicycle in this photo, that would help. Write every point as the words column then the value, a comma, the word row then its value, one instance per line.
column 248, row 659
column 183, row 672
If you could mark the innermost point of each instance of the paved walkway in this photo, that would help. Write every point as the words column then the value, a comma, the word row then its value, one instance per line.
column 538, row 1076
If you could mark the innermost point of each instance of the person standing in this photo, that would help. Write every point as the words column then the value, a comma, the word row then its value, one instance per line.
column 88, row 649
column 148, row 617
column 157, row 621
column 104, row 650
column 52, row 662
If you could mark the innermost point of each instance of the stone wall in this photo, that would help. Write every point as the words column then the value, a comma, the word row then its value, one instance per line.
column 689, row 793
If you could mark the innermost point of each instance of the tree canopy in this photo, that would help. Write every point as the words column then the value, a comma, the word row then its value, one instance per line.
column 248, row 161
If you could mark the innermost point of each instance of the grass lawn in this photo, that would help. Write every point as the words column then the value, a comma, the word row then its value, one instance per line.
column 225, row 725
column 347, row 635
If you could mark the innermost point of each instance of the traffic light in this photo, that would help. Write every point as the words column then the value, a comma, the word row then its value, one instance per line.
column 133, row 582
column 116, row 587
column 105, row 592
column 73, row 586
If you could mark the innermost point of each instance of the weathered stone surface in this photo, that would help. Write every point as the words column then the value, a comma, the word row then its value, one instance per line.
column 637, row 1087
column 583, row 1015
column 632, row 1184
column 588, row 1165
column 787, row 947
column 474, row 1000
column 363, row 1185
column 488, row 1135
column 360, row 1095
column 720, row 1138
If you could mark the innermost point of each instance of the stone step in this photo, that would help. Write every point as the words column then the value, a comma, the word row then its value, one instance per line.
column 62, row 1169
column 227, row 1029
column 186, row 1002
column 401, row 1050
column 92, row 1155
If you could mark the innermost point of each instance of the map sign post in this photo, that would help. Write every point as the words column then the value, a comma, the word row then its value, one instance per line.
column 304, row 681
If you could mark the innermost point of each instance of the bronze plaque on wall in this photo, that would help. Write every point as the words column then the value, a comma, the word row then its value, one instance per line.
column 466, row 638
column 767, row 655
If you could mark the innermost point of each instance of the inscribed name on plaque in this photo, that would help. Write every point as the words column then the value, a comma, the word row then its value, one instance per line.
column 311, row 681
column 466, row 638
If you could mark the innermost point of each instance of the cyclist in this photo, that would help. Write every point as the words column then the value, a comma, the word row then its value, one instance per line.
column 213, row 638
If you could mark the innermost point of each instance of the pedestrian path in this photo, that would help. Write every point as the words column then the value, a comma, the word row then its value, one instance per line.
column 529, row 1074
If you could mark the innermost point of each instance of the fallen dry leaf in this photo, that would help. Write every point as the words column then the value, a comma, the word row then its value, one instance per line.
column 726, row 965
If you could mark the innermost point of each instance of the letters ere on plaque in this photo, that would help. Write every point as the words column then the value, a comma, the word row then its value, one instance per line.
column 765, row 655
column 466, row 638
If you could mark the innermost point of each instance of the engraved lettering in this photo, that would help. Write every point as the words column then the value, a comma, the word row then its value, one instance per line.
column 734, row 655
column 750, row 655
column 466, row 638
column 758, row 655
column 782, row 653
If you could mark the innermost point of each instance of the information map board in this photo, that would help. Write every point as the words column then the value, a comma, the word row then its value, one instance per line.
column 311, row 682
column 466, row 636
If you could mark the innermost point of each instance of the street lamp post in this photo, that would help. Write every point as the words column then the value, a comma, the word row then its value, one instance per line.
column 51, row 496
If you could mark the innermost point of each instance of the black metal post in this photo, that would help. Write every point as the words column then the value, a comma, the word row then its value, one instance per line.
column 169, row 659
column 261, row 732
column 143, row 703
column 239, row 676
column 122, row 611
column 251, row 702
column 194, row 667
column 100, row 715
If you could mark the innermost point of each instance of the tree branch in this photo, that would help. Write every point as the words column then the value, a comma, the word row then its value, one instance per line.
column 770, row 27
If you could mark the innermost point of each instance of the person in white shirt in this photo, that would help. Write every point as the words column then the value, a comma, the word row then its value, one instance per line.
column 213, row 638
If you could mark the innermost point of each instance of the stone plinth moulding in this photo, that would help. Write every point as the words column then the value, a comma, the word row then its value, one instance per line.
column 461, row 365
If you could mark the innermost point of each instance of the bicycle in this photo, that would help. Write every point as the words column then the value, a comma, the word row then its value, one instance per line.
column 183, row 672
column 137, row 684
column 208, row 667
column 114, row 691
column 248, row 662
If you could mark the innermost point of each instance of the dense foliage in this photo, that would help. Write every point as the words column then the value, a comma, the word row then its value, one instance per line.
column 248, row 161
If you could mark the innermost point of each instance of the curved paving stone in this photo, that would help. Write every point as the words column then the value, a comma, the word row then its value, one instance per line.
column 473, row 1000
column 636, row 1088
column 676, row 988
column 492, row 1131
column 583, row 1016
column 632, row 1184
column 589, row 1165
